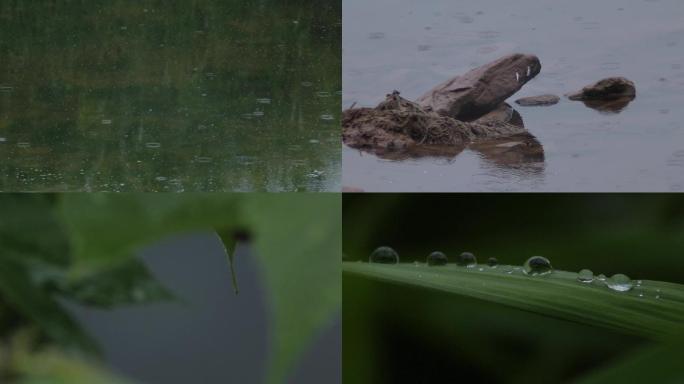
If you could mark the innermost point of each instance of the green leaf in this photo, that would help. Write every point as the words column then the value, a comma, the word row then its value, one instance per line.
column 559, row 295
column 661, row 363
column 29, row 229
column 36, row 304
column 107, row 228
column 126, row 282
column 296, row 238
column 229, row 242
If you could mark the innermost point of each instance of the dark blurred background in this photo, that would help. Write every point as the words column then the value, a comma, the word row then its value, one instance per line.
column 207, row 335
column 397, row 334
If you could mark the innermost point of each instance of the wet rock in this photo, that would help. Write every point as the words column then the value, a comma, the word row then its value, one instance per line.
column 399, row 125
column 482, row 89
column 540, row 100
column 607, row 89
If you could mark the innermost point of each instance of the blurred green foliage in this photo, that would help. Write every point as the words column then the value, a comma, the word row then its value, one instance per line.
column 85, row 252
column 413, row 335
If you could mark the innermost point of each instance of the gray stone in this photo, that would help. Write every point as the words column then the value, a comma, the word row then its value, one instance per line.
column 540, row 100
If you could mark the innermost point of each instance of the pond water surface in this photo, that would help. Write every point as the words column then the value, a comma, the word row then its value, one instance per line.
column 412, row 46
column 199, row 95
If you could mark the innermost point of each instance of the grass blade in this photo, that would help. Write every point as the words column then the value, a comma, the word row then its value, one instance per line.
column 559, row 295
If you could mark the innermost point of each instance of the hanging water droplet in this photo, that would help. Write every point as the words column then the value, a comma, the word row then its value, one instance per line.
column 619, row 282
column 537, row 266
column 585, row 276
column 437, row 258
column 384, row 255
column 492, row 262
column 466, row 259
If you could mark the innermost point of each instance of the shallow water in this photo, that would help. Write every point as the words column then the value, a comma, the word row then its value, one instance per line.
column 413, row 47
column 203, row 95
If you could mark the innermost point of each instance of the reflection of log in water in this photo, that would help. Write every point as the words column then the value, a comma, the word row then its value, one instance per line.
column 465, row 112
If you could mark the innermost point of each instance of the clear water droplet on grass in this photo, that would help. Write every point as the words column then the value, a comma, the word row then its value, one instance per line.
column 466, row 259
column 537, row 266
column 585, row 276
column 619, row 283
column 437, row 258
column 492, row 262
column 384, row 255
column 601, row 277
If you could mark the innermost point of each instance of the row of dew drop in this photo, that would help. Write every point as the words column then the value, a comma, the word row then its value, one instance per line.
column 534, row 266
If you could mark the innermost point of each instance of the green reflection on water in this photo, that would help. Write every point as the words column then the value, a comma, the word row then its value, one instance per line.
column 195, row 95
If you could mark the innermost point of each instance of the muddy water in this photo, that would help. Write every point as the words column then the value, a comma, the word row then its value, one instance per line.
column 413, row 47
column 203, row 95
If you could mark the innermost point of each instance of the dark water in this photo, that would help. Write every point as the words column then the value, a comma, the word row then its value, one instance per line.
column 208, row 335
column 415, row 46
column 198, row 95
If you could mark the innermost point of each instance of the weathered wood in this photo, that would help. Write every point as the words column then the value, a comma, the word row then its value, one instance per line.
column 482, row 89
